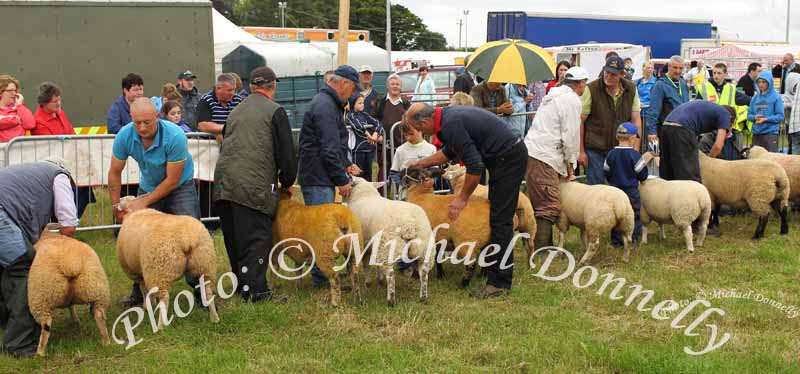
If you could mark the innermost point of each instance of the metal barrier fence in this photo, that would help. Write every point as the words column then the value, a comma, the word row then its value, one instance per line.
column 89, row 156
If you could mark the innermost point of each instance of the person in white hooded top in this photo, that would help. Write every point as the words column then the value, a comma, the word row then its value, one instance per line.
column 553, row 143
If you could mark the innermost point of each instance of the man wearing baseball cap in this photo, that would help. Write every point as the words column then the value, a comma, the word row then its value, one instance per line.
column 625, row 168
column 257, row 153
column 190, row 97
column 553, row 144
column 607, row 102
column 323, row 158
column 370, row 95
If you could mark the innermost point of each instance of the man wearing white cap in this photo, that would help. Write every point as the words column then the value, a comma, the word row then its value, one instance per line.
column 554, row 143
column 370, row 95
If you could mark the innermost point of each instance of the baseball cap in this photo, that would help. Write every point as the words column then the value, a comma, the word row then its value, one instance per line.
column 627, row 128
column 187, row 75
column 576, row 73
column 263, row 74
column 348, row 72
column 365, row 68
column 614, row 65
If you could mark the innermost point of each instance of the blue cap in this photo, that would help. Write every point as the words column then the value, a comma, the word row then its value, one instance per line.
column 614, row 65
column 349, row 72
column 627, row 128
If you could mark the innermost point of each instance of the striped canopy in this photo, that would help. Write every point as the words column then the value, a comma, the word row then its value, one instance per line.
column 512, row 61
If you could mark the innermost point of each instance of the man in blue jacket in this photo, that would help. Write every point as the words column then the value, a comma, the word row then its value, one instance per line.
column 667, row 94
column 766, row 113
column 323, row 157
column 120, row 112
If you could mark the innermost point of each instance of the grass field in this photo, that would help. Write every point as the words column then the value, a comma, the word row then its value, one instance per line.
column 542, row 326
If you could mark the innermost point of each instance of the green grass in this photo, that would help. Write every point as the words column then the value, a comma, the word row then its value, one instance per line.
column 542, row 326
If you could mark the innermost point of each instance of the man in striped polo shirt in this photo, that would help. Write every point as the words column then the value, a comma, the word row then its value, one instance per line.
column 215, row 106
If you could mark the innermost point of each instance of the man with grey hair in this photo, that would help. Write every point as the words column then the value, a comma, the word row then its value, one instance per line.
column 215, row 106
column 324, row 161
column 667, row 94
column 483, row 142
column 29, row 195
column 258, row 151
column 388, row 111
column 787, row 66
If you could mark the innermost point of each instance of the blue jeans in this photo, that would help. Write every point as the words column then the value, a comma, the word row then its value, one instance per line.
column 182, row 201
column 594, row 171
column 12, row 243
column 794, row 140
column 318, row 195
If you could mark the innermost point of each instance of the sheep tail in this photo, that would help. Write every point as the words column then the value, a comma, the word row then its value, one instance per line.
column 782, row 188
column 348, row 223
column 71, row 267
column 407, row 230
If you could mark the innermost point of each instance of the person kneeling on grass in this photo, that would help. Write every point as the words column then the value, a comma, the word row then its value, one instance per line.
column 624, row 168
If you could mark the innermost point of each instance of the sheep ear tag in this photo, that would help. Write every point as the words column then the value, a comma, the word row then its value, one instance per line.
column 378, row 184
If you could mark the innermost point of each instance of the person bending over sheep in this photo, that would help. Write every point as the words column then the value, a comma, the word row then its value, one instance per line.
column 624, row 168
column 29, row 195
column 165, row 166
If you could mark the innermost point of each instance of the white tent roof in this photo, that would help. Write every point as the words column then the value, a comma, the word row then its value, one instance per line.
column 358, row 53
column 227, row 31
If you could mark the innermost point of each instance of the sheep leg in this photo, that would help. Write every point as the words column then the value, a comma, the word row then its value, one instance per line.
column 424, row 269
column 100, row 318
column 388, row 271
column 783, row 212
column 562, row 237
column 662, row 232
column 644, row 234
column 687, row 233
column 353, row 269
column 212, row 307
column 762, row 225
column 47, row 322
column 591, row 249
column 73, row 314
column 701, row 233
column 626, row 243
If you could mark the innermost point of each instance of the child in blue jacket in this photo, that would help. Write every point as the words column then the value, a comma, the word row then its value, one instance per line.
column 365, row 133
column 766, row 113
column 625, row 168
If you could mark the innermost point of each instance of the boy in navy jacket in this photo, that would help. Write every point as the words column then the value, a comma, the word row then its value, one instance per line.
column 624, row 168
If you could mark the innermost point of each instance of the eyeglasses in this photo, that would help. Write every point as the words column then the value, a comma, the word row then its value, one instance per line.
column 12, row 91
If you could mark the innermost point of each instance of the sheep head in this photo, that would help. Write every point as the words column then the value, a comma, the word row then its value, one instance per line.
column 411, row 178
column 363, row 188
column 755, row 152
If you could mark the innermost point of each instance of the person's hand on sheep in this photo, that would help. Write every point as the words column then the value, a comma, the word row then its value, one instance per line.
column 353, row 169
column 345, row 189
column 118, row 214
column 456, row 206
column 136, row 204
column 583, row 159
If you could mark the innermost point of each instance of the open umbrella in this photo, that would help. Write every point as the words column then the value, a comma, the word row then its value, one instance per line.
column 512, row 61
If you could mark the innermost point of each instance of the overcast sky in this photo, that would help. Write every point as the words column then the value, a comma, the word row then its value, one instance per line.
column 752, row 20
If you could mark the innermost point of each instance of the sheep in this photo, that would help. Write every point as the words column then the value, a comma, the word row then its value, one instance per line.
column 469, row 234
column 157, row 248
column 65, row 273
column 320, row 226
column 400, row 225
column 679, row 203
column 789, row 163
column 525, row 215
column 757, row 184
column 595, row 210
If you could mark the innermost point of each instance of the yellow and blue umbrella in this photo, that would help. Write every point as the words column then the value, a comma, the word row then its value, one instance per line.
column 512, row 61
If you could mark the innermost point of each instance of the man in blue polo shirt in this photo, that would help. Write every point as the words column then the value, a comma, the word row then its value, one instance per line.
column 165, row 168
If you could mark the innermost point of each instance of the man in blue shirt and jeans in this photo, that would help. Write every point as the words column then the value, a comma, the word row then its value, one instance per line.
column 165, row 167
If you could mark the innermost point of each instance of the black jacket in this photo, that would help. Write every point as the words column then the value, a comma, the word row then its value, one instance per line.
column 323, row 142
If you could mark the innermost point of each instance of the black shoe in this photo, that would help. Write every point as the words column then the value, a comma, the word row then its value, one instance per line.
column 264, row 297
column 130, row 302
column 489, row 292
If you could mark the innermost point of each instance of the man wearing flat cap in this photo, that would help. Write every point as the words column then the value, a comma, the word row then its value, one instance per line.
column 258, row 152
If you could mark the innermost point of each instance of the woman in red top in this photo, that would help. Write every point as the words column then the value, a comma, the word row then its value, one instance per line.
column 50, row 118
column 15, row 118
column 561, row 69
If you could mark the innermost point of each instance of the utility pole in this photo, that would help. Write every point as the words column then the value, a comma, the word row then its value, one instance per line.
column 466, row 29
column 788, row 17
column 282, row 7
column 459, row 23
column 344, row 25
column 389, row 33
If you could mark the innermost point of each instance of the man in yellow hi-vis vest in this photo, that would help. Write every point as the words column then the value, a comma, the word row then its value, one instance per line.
column 718, row 91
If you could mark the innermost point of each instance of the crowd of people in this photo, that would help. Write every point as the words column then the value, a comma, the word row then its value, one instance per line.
column 612, row 127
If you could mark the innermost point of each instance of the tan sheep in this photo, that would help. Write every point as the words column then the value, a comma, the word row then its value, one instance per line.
column 525, row 215
column 595, row 210
column 65, row 273
column 320, row 226
column 789, row 163
column 756, row 184
column 468, row 235
column 156, row 248
column 678, row 203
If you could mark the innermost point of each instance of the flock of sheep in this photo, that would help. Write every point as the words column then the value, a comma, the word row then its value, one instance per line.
column 156, row 249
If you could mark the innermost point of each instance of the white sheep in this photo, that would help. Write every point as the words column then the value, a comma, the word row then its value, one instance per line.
column 678, row 203
column 596, row 210
column 156, row 248
column 65, row 273
column 757, row 184
column 401, row 226
column 789, row 163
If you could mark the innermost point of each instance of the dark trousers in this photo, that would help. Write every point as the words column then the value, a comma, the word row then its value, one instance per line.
column 85, row 196
column 505, row 176
column 205, row 191
column 248, row 240
column 633, row 196
column 21, row 330
column 364, row 162
column 679, row 158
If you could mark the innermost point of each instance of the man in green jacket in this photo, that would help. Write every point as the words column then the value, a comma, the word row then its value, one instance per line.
column 256, row 154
